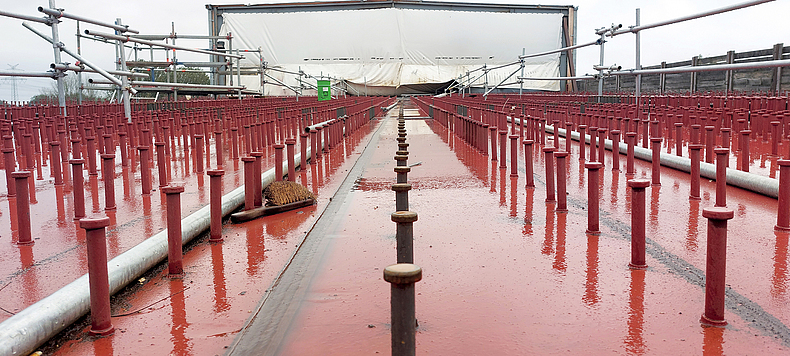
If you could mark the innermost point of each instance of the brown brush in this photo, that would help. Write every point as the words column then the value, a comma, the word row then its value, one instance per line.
column 280, row 197
column 285, row 192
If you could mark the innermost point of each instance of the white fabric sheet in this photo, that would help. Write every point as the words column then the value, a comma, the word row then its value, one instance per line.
column 394, row 47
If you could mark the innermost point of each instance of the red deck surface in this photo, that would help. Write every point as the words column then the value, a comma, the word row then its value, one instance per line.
column 503, row 272
column 203, row 311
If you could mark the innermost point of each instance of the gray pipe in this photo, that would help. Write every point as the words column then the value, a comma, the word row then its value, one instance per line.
column 28, row 329
column 388, row 108
column 320, row 124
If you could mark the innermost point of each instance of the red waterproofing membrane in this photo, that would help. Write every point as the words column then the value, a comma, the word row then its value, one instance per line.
column 57, row 257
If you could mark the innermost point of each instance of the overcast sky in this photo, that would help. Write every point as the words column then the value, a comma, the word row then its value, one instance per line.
column 757, row 27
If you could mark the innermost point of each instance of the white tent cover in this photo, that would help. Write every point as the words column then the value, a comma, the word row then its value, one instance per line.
column 384, row 49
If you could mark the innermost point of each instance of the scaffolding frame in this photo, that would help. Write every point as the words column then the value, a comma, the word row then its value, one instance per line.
column 125, row 84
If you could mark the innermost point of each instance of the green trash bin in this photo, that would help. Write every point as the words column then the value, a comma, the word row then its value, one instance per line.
column 324, row 92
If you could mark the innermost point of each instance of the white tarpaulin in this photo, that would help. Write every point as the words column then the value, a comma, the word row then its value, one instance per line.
column 386, row 49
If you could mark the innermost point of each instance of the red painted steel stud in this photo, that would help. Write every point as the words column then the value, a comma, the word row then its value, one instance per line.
column 630, row 139
column 638, row 187
column 108, row 173
column 593, row 147
column 492, row 129
column 23, row 206
column 319, row 142
column 656, row 160
column 513, row 155
column 174, row 241
column 145, row 169
column 593, row 197
column 737, row 129
column 783, row 213
column 562, row 197
column 549, row 152
column 568, row 129
column 218, row 148
column 328, row 143
column 483, row 138
column 503, row 149
column 257, row 167
column 79, row 192
column 709, row 143
column 313, row 145
column 716, row 266
column 528, row 163
column 555, row 127
column 654, row 130
column 788, row 146
column 199, row 153
column 123, row 146
column 775, row 137
column 542, row 131
column 109, row 145
column 722, row 156
column 278, row 162
column 27, row 152
column 601, row 144
column 91, row 156
column 745, row 150
column 247, row 139
column 725, row 137
column 615, row 150
column 161, row 163
column 96, row 241
column 303, row 151
column 695, row 134
column 290, row 149
column 249, row 182
column 215, row 183
column 10, row 165
column 234, row 142
column 54, row 156
column 166, row 135
column 582, row 141
column 64, row 154
column 679, row 138
column 694, row 155
column 402, row 277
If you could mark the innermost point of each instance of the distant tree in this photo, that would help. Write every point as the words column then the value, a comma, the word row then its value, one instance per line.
column 185, row 75
column 71, row 86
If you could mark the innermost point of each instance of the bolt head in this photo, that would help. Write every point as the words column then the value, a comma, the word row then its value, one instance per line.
column 21, row 174
column 173, row 189
column 639, row 183
column 593, row 165
column 404, row 217
column 401, row 187
column 718, row 213
column 403, row 273
column 94, row 223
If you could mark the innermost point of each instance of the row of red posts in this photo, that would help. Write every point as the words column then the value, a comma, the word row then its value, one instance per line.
column 528, row 116
column 254, row 125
